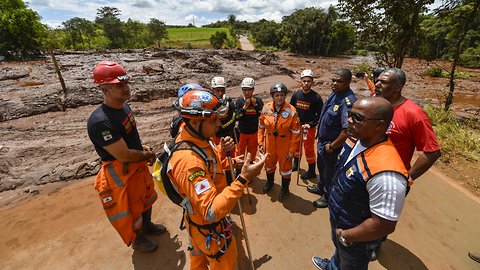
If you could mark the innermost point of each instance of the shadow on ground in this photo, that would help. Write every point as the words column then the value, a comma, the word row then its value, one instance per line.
column 169, row 254
column 394, row 256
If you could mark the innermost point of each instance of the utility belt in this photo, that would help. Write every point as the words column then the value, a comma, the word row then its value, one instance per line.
column 210, row 232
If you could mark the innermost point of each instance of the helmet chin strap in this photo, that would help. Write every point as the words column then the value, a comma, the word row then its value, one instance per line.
column 198, row 133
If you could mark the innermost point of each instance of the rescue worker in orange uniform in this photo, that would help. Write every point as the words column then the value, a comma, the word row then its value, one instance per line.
column 124, row 182
column 207, row 198
column 227, row 127
column 279, row 137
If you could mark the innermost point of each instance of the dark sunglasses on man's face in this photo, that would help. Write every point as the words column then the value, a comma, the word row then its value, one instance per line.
column 358, row 118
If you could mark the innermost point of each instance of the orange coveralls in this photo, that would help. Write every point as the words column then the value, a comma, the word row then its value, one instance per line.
column 209, row 201
column 287, row 125
column 126, row 191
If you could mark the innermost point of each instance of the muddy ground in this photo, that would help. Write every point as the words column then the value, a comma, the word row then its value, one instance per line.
column 44, row 144
column 46, row 226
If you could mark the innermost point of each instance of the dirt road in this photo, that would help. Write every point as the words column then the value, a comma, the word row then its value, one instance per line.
column 245, row 44
column 66, row 229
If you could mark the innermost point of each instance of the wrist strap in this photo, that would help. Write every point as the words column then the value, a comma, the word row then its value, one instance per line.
column 242, row 179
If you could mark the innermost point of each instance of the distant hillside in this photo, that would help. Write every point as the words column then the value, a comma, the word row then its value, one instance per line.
column 195, row 37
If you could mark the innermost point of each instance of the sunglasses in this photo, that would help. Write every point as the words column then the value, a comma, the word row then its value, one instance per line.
column 123, row 78
column 358, row 118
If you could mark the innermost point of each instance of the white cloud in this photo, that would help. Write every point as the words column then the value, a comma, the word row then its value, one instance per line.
column 178, row 12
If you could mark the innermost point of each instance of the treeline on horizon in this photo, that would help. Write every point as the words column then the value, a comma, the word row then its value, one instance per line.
column 393, row 29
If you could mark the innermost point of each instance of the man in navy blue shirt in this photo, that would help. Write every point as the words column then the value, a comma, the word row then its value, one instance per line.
column 332, row 133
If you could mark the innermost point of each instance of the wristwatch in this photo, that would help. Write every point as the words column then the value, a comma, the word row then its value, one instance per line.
column 343, row 241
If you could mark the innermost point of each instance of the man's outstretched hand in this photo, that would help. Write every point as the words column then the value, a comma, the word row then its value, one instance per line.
column 251, row 170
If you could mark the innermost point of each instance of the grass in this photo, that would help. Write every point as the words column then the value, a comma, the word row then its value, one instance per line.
column 191, row 37
column 438, row 72
column 456, row 137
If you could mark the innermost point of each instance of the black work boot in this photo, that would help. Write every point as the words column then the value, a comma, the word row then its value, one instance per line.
column 269, row 184
column 310, row 173
column 295, row 164
column 148, row 226
column 322, row 202
column 143, row 244
column 285, row 189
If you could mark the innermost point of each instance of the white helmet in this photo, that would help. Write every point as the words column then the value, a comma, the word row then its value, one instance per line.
column 218, row 82
column 306, row 73
column 248, row 83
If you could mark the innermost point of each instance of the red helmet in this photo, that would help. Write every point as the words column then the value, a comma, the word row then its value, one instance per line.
column 109, row 72
column 200, row 104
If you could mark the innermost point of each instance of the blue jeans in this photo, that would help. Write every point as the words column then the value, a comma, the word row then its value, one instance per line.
column 354, row 257
column 326, row 166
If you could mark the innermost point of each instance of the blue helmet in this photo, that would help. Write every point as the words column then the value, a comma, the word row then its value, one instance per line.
column 187, row 87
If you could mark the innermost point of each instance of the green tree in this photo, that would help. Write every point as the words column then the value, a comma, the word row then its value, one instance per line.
column 108, row 18
column 158, row 30
column 136, row 34
column 79, row 30
column 265, row 33
column 313, row 31
column 218, row 39
column 21, row 32
column 461, row 15
column 232, row 19
column 391, row 24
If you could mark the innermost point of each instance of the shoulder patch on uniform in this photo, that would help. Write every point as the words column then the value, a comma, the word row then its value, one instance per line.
column 202, row 186
column 347, row 100
column 195, row 174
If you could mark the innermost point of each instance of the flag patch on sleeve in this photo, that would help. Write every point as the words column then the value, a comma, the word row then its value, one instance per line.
column 106, row 135
column 202, row 186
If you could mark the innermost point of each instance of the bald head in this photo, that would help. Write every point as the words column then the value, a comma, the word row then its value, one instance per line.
column 378, row 108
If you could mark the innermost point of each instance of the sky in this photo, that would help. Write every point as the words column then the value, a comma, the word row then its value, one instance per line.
column 173, row 12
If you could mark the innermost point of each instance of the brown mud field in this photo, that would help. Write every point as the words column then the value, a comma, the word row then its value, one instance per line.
column 51, row 220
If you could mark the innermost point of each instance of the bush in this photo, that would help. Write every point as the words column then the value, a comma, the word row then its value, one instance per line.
column 360, row 52
column 455, row 137
column 218, row 39
column 471, row 57
column 438, row 72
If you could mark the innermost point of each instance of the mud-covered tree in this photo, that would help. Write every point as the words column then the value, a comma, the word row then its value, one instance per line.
column 158, row 30
column 218, row 39
column 390, row 24
column 108, row 18
column 21, row 32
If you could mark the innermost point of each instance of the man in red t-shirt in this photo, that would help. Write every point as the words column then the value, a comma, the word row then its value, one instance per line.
column 410, row 127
